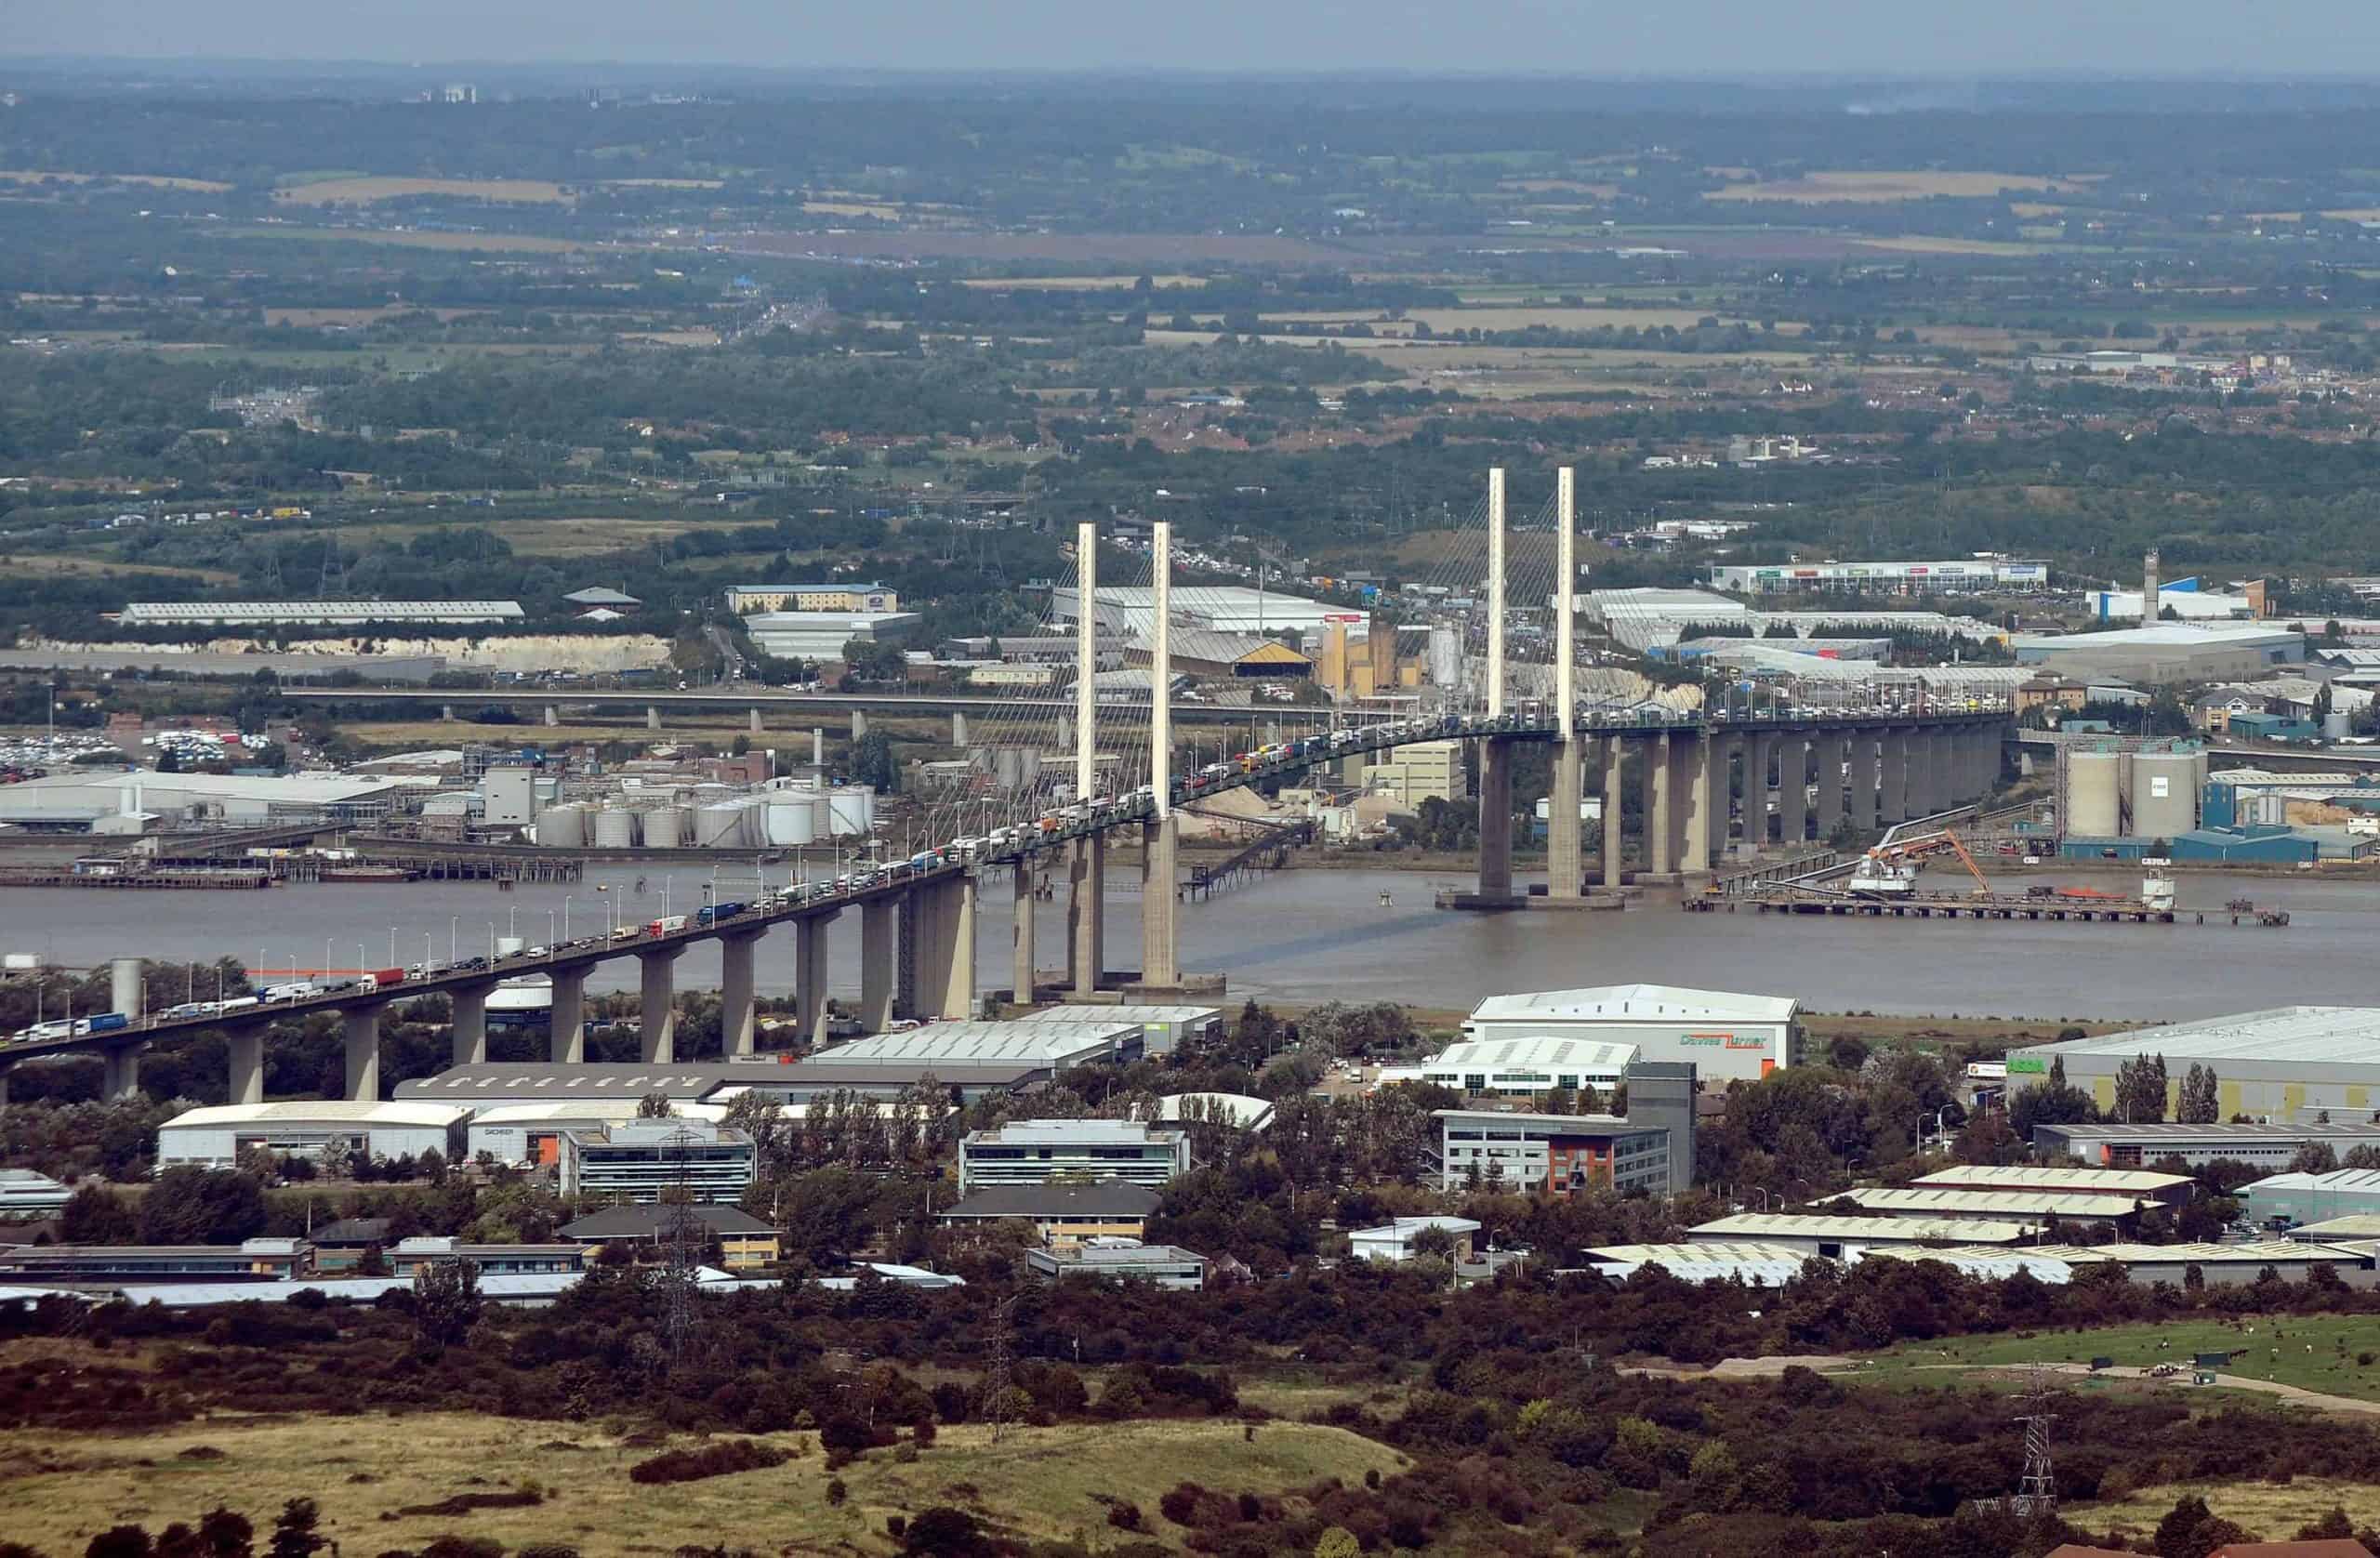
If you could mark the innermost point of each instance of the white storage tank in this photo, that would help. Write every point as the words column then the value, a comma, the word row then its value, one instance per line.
column 719, row 825
column 792, row 818
column 665, row 827
column 2165, row 788
column 561, row 827
column 616, row 828
column 2093, row 805
column 853, row 808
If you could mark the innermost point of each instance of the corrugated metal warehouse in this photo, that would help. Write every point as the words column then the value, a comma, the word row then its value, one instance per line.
column 1839, row 1238
column 2287, row 1064
column 214, row 1137
column 2192, row 1146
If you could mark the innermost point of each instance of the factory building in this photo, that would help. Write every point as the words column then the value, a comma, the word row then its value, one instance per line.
column 1999, row 1205
column 75, row 1266
column 1847, row 1238
column 1522, row 1068
column 1033, row 1152
column 1129, row 610
column 489, row 1084
column 1164, row 1029
column 214, row 1137
column 1723, row 1034
column 1046, row 1044
column 2218, row 1265
column 98, row 798
column 2194, row 1146
column 2302, row 1197
column 2286, row 1066
column 312, row 614
column 639, row 1161
column 822, row 635
column 1159, row 1264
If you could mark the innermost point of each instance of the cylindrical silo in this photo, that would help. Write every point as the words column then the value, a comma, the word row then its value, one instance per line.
column 792, row 818
column 616, row 828
column 665, row 827
column 2164, row 793
column 2093, row 808
column 853, row 808
column 719, row 825
column 561, row 827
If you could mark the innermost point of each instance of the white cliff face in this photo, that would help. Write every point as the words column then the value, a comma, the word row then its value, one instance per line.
column 515, row 652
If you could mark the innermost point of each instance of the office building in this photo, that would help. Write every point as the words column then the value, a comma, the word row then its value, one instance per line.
column 1723, row 1034
column 1409, row 776
column 2285, row 1067
column 745, row 600
column 1559, row 1155
column 407, row 1257
column 1061, row 1214
column 1031, row 1152
column 639, row 1159
column 1159, row 1264
column 1519, row 1068
column 745, row 1243
column 71, row 1265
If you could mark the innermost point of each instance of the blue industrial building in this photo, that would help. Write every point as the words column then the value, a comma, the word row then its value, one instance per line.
column 2257, row 725
column 2253, row 843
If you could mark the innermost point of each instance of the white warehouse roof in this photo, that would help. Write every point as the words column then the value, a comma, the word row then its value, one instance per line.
column 192, row 613
column 1857, row 1229
column 1638, row 1003
column 2321, row 1035
column 337, row 1111
column 1991, row 1202
column 1543, row 1052
column 2079, row 1182
column 1034, row 1043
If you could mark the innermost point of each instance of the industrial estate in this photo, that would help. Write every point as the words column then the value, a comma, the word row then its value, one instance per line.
column 1040, row 821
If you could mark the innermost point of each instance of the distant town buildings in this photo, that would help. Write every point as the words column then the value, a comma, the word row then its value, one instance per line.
column 266, row 613
column 1898, row 578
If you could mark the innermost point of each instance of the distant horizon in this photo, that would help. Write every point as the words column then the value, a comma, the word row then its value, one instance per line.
column 1585, row 40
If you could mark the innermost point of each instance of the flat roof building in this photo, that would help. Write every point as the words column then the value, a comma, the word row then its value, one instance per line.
column 1520, row 1067
column 27, row 1193
column 1161, row 1265
column 1129, row 610
column 2012, row 1205
column 1033, row 1152
column 88, row 796
column 822, row 635
column 70, row 1265
column 639, row 1159
column 2218, row 1265
column 408, row 1256
column 2287, row 1064
column 2164, row 652
column 1560, row 1154
column 1907, row 578
column 1724, row 1035
column 2123, row 1183
column 1164, row 1029
column 745, row 1242
column 1394, row 1241
column 2303, row 1198
column 214, row 1137
column 744, row 600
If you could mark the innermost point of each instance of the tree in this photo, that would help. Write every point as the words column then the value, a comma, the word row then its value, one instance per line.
column 120, row 1541
column 188, row 1205
column 873, row 762
column 2191, row 1530
column 1435, row 1242
column 655, row 1106
column 2201, row 1101
column 445, row 1301
column 2314, row 1157
column 1338, row 1542
column 223, row 1533
column 94, row 1214
column 2140, row 1091
column 293, row 1531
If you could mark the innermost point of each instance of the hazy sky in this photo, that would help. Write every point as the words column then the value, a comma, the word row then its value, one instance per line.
column 1585, row 37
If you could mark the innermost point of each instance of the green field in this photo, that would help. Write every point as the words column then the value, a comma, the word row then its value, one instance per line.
column 2310, row 1352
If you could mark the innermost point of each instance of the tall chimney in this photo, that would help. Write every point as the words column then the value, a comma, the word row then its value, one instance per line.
column 2149, row 602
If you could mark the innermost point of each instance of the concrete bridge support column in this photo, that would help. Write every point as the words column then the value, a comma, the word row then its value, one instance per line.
column 1792, row 790
column 553, row 715
column 1161, row 893
column 364, row 1052
column 1660, row 806
column 4, row 1085
column 471, row 1024
column 126, row 993
column 738, row 1018
column 1864, row 763
column 908, row 955
column 566, row 1024
column 1086, row 914
column 1700, row 758
column 1565, row 869
column 1986, row 759
column 652, row 716
column 1827, row 764
column 752, row 721
column 810, row 1012
column 247, row 1065
column 1917, row 773
column 879, row 925
column 951, row 939
column 959, row 728
column 1949, row 787
column 859, row 723
column 1495, row 818
column 1892, row 781
column 1021, row 971
column 120, row 1075
column 1615, row 794
column 658, row 989
column 1760, row 751
column 1719, row 762
column 447, row 713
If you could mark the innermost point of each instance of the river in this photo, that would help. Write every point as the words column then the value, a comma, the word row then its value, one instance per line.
column 1307, row 936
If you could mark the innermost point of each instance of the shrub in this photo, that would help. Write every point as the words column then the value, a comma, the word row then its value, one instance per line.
column 1125, row 1515
column 837, row 1493
column 718, row 1459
